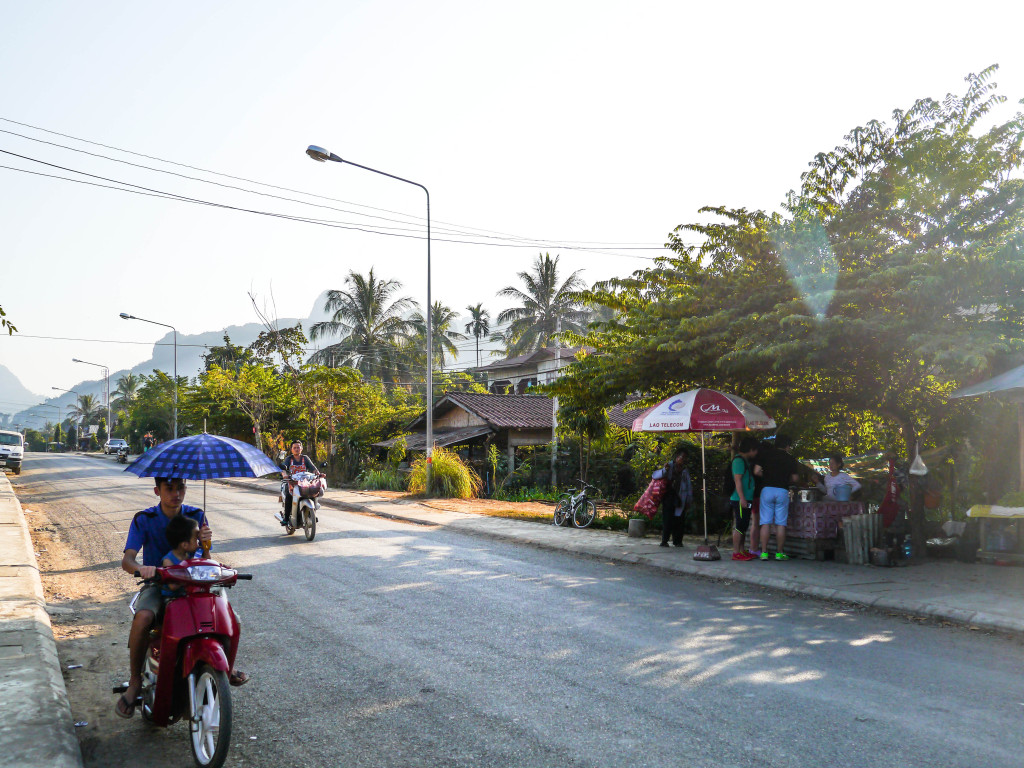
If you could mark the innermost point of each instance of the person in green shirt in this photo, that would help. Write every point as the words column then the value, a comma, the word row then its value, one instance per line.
column 741, row 501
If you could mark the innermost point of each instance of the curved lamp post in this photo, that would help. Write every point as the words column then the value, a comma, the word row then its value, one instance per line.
column 126, row 316
column 106, row 376
column 322, row 155
column 78, row 431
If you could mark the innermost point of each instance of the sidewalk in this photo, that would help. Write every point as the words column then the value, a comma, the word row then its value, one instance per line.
column 972, row 594
column 35, row 718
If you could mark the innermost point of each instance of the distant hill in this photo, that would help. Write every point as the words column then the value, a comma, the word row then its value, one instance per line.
column 13, row 394
column 190, row 360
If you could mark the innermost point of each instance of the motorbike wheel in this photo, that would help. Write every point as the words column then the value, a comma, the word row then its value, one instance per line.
column 289, row 529
column 211, row 721
column 309, row 521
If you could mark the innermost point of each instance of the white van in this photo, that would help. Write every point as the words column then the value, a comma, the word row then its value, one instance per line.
column 12, row 450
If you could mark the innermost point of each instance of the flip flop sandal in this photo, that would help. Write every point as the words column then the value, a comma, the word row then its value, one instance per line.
column 237, row 678
column 129, row 708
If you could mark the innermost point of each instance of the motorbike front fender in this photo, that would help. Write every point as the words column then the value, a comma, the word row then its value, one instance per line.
column 203, row 649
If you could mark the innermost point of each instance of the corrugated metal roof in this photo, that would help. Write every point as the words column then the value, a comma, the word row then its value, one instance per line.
column 417, row 441
column 503, row 411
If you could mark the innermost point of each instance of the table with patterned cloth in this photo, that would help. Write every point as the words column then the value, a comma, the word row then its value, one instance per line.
column 820, row 519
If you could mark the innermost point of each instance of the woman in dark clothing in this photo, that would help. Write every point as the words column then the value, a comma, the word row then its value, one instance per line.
column 678, row 498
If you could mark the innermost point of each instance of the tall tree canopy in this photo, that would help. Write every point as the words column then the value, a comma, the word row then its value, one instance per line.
column 479, row 325
column 543, row 307
column 893, row 275
column 369, row 318
column 443, row 335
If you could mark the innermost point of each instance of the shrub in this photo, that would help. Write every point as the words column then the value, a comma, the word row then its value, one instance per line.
column 453, row 478
column 385, row 479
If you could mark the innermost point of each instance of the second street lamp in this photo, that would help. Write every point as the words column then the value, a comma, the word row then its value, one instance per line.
column 126, row 316
column 321, row 155
column 106, row 376
column 78, row 431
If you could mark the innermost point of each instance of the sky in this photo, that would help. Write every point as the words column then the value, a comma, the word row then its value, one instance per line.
column 589, row 130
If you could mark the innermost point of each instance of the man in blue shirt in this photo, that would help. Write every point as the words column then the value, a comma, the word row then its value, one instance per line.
column 148, row 533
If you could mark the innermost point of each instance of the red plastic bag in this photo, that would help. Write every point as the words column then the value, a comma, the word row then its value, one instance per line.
column 648, row 503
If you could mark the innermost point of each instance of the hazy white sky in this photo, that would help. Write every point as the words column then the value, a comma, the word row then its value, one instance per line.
column 605, row 122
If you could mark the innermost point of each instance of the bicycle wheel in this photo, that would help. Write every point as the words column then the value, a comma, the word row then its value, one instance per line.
column 561, row 512
column 584, row 515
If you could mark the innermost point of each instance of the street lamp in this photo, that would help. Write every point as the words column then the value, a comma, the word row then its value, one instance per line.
column 78, row 431
column 50, row 405
column 126, row 316
column 106, row 375
column 322, row 155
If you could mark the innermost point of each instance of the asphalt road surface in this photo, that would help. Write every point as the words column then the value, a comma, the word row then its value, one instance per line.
column 388, row 644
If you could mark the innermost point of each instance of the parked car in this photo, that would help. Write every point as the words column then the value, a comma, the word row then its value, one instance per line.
column 113, row 444
column 12, row 450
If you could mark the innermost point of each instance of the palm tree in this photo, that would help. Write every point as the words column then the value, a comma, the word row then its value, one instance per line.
column 444, row 338
column 86, row 409
column 478, row 326
column 125, row 391
column 544, row 307
column 370, row 322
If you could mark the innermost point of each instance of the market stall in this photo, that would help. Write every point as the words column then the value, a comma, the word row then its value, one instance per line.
column 813, row 530
column 1001, row 533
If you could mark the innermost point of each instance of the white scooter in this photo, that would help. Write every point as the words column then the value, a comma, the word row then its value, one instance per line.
column 308, row 487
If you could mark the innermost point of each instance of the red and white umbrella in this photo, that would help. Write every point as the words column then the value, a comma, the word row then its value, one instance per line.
column 703, row 410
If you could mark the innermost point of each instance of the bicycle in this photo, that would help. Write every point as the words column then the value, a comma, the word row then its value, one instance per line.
column 576, row 506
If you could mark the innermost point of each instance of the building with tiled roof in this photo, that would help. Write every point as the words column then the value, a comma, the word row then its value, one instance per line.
column 517, row 375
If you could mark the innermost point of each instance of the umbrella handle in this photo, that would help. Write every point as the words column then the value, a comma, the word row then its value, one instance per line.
column 206, row 550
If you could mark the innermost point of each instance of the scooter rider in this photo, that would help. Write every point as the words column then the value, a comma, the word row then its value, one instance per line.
column 147, row 533
column 295, row 463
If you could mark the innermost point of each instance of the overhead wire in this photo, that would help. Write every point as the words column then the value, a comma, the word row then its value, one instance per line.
column 454, row 229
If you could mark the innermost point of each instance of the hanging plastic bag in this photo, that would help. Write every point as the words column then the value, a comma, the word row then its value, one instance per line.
column 917, row 466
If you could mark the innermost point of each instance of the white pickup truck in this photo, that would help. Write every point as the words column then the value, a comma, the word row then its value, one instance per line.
column 12, row 450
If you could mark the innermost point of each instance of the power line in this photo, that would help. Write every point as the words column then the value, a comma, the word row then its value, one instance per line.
column 534, row 242
column 150, row 192
column 457, row 229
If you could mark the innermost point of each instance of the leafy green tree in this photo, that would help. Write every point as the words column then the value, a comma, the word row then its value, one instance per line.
column 58, row 436
column 126, row 389
column 101, row 433
column 228, row 356
column 85, row 409
column 479, row 325
column 443, row 336
column 544, row 307
column 892, row 277
column 72, row 437
column 370, row 321
column 253, row 389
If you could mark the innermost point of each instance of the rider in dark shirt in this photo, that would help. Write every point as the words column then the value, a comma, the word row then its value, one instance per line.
column 295, row 463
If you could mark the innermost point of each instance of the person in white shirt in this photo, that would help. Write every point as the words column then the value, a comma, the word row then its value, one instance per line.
column 836, row 477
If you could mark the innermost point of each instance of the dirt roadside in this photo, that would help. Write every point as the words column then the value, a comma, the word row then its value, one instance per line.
column 89, row 614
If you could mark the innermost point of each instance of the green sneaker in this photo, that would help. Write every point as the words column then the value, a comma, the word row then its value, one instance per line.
column 781, row 556
column 765, row 556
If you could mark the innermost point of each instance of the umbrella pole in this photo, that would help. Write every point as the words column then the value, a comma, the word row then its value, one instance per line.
column 704, row 483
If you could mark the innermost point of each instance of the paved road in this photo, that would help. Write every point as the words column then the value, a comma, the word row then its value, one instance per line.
column 389, row 644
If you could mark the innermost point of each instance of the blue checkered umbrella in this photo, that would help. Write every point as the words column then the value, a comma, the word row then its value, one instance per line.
column 202, row 457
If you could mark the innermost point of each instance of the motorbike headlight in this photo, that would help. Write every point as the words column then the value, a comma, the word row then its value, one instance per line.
column 205, row 572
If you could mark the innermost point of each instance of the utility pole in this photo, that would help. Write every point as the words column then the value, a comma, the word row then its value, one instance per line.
column 554, row 408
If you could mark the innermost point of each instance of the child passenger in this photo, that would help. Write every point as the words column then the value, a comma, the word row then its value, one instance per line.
column 183, row 536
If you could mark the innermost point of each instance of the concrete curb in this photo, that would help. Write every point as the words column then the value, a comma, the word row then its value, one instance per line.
column 36, row 726
column 605, row 545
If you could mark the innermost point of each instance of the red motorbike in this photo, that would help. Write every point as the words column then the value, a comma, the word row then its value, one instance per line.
column 191, row 652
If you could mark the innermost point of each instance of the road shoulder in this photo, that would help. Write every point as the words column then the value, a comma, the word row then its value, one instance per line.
column 36, row 728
